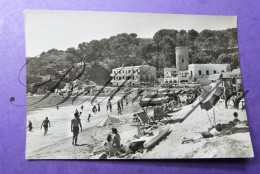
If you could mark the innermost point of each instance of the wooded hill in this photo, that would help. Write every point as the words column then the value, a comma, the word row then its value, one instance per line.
column 125, row 49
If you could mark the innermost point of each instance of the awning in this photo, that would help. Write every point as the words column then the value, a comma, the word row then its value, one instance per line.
column 212, row 99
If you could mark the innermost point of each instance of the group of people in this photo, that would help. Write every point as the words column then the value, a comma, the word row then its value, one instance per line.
column 96, row 109
column 219, row 129
column 113, row 145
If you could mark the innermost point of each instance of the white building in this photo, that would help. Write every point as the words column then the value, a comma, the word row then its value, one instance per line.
column 133, row 75
column 202, row 70
column 170, row 75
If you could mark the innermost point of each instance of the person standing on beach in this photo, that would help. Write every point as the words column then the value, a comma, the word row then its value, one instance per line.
column 82, row 107
column 75, row 123
column 110, row 106
column 98, row 107
column 89, row 117
column 76, row 111
column 46, row 123
column 122, row 104
column 30, row 126
column 57, row 107
column 126, row 102
column 119, row 108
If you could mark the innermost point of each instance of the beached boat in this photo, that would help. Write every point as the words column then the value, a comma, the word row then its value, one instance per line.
column 158, row 135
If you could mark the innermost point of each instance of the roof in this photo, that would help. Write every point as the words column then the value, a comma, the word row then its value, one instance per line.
column 209, row 64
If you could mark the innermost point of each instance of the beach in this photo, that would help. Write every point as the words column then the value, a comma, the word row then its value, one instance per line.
column 57, row 144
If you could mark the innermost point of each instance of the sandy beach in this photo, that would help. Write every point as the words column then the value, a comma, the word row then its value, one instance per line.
column 57, row 144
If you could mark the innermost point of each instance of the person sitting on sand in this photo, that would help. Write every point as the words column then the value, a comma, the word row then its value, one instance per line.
column 46, row 123
column 75, row 123
column 208, row 134
column 30, row 126
column 116, row 139
column 109, row 146
column 94, row 109
column 236, row 120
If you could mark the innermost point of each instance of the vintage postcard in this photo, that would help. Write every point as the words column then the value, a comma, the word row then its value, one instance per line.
column 107, row 85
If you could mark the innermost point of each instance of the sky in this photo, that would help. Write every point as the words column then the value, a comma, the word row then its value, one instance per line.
column 45, row 30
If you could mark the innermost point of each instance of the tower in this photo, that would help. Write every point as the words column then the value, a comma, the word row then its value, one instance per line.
column 182, row 58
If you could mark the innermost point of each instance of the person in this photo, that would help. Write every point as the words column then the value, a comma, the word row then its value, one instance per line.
column 76, row 111
column 110, row 106
column 119, row 108
column 75, row 123
column 236, row 120
column 107, row 105
column 98, row 107
column 46, row 123
column 82, row 107
column 126, row 102
column 89, row 117
column 116, row 139
column 109, row 146
column 217, row 130
column 30, row 126
column 122, row 104
column 135, row 118
column 57, row 107
column 94, row 109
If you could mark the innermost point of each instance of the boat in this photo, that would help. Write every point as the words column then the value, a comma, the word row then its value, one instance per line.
column 158, row 135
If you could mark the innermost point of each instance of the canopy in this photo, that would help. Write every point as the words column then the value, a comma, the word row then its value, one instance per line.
column 212, row 99
column 108, row 121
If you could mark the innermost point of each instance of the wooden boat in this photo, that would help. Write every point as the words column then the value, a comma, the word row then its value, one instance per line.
column 158, row 135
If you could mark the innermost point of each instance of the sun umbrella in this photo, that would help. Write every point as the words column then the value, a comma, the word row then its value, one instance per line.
column 212, row 99
column 108, row 121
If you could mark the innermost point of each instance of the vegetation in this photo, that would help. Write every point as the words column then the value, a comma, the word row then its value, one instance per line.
column 100, row 56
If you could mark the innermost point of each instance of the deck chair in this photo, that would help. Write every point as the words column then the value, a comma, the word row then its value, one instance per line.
column 143, row 118
column 161, row 112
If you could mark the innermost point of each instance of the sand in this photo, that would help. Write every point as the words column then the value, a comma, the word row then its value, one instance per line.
column 57, row 144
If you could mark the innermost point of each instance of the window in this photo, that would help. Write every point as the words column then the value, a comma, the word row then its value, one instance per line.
column 215, row 72
column 199, row 72
column 207, row 72
column 129, row 71
column 182, row 60
column 119, row 78
column 123, row 71
column 223, row 71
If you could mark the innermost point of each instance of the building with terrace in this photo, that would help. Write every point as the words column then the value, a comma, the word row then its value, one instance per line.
column 133, row 76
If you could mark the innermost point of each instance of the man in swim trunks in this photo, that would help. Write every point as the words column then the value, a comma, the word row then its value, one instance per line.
column 46, row 123
column 75, row 123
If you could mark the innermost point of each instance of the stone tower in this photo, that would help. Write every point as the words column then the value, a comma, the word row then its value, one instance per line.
column 182, row 58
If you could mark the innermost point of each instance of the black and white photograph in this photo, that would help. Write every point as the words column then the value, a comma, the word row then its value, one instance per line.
column 117, row 85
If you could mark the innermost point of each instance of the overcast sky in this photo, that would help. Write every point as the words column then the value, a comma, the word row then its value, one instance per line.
column 45, row 30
